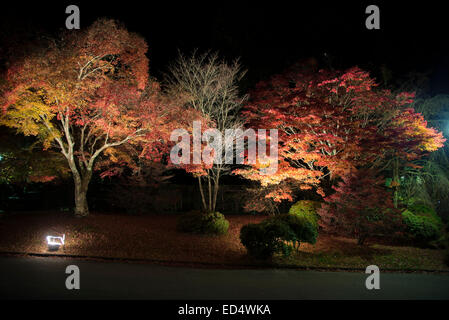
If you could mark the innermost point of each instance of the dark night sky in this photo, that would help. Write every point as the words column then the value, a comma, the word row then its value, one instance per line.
column 268, row 37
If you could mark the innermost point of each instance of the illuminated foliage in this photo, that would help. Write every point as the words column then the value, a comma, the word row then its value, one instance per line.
column 209, row 86
column 360, row 207
column 331, row 123
column 87, row 94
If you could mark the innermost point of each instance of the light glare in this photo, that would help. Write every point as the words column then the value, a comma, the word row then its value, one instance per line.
column 53, row 241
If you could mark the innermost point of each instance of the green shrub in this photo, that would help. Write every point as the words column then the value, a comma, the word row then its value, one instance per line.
column 276, row 235
column 306, row 209
column 426, row 211
column 258, row 242
column 302, row 229
column 421, row 228
column 216, row 223
column 423, row 224
column 203, row 223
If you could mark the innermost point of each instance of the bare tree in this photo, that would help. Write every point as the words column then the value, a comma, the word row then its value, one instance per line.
column 209, row 85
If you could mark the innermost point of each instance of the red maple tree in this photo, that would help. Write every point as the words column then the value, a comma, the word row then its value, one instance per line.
column 331, row 123
column 86, row 94
column 360, row 207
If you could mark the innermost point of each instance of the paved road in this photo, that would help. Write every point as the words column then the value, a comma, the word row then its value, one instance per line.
column 44, row 278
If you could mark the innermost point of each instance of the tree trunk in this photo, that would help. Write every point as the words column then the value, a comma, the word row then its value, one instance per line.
column 81, row 186
column 81, row 207
column 216, row 186
column 209, row 201
column 209, row 190
column 202, row 194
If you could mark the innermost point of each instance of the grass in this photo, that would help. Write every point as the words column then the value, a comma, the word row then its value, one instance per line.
column 340, row 252
column 154, row 237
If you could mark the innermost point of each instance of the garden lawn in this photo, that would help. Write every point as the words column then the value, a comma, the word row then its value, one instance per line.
column 154, row 237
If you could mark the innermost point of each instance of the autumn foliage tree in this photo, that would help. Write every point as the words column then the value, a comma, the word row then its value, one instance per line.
column 86, row 94
column 22, row 161
column 331, row 123
column 208, row 86
column 360, row 207
column 408, row 139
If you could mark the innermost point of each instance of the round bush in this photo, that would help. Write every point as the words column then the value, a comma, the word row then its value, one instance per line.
column 302, row 229
column 426, row 211
column 306, row 209
column 421, row 228
column 274, row 234
column 203, row 223
column 258, row 242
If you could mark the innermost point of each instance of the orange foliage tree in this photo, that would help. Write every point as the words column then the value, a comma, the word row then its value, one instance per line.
column 86, row 94
column 331, row 123
column 360, row 207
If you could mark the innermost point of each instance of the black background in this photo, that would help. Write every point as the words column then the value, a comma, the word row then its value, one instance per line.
column 267, row 36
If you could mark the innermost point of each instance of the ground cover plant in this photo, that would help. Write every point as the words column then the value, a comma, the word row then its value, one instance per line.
column 155, row 237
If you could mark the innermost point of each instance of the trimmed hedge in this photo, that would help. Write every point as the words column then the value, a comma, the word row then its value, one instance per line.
column 306, row 209
column 276, row 235
column 422, row 223
column 213, row 223
column 302, row 229
column 423, row 210
column 259, row 240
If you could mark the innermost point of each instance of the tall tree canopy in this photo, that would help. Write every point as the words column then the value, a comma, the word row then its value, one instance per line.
column 361, row 206
column 209, row 86
column 86, row 94
column 331, row 123
column 22, row 161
